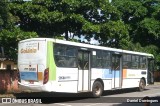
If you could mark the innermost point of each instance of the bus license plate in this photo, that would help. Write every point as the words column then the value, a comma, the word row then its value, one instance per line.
column 31, row 82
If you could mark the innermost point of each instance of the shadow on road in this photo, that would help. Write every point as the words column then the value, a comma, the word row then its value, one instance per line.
column 120, row 91
column 52, row 97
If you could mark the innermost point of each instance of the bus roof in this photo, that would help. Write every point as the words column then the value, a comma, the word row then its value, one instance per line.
column 83, row 45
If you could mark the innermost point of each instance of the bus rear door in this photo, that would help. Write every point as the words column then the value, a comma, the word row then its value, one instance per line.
column 84, row 71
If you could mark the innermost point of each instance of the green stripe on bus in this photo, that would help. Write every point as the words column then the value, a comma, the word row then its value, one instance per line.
column 50, row 61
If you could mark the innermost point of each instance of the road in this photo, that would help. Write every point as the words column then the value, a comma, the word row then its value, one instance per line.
column 127, row 97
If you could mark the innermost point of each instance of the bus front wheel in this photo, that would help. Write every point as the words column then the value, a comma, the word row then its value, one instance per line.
column 97, row 89
column 142, row 85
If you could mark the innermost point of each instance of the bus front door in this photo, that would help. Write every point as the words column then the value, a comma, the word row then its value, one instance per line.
column 83, row 73
column 116, row 73
column 150, row 71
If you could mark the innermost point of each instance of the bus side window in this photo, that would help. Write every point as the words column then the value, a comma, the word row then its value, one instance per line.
column 65, row 56
column 99, row 59
column 71, row 62
column 60, row 61
column 80, row 63
column 99, row 63
column 94, row 61
column 125, row 66
column 142, row 62
column 127, row 61
column 86, row 65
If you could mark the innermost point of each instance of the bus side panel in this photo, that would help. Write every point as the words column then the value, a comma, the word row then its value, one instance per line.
column 67, row 80
column 132, row 75
column 50, row 61
column 104, row 74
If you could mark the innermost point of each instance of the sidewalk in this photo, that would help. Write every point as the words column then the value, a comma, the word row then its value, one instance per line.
column 156, row 83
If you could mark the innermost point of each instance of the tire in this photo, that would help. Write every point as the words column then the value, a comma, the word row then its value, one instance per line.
column 97, row 89
column 142, row 85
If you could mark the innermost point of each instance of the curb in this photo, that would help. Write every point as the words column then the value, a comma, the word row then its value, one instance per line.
column 156, row 83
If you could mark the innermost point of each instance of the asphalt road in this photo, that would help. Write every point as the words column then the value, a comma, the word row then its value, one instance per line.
column 126, row 97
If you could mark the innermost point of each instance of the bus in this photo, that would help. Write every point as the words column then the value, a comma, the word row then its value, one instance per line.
column 53, row 65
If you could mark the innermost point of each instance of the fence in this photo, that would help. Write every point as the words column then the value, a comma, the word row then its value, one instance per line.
column 157, row 76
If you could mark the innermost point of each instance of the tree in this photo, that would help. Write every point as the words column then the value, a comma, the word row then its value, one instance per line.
column 126, row 24
column 3, row 14
column 51, row 18
column 114, row 34
column 10, row 39
column 144, row 26
column 10, row 33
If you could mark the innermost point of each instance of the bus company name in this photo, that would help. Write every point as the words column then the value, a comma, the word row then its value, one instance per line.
column 64, row 77
column 29, row 50
column 131, row 75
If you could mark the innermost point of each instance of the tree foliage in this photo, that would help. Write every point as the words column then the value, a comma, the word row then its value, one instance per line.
column 127, row 24
column 114, row 34
column 142, row 17
column 3, row 14
column 10, row 33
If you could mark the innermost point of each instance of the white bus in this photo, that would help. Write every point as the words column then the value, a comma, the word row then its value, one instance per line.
column 62, row 66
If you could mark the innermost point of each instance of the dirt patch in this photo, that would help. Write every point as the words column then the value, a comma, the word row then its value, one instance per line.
column 6, row 95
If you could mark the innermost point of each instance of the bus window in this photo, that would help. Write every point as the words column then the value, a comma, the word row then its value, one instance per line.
column 142, row 62
column 86, row 62
column 97, row 60
column 80, row 61
column 101, row 59
column 135, row 62
column 106, row 59
column 94, row 62
column 83, row 60
column 126, row 61
column 65, row 56
column 115, row 63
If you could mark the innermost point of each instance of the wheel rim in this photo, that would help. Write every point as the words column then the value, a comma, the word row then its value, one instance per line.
column 97, row 90
column 141, row 85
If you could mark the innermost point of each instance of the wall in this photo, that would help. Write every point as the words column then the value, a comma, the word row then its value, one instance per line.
column 157, row 76
column 8, row 81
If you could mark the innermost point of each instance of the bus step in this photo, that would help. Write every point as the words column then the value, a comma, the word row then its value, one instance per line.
column 116, row 88
column 84, row 91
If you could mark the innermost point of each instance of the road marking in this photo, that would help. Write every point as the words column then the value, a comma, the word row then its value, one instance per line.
column 62, row 104
column 93, row 104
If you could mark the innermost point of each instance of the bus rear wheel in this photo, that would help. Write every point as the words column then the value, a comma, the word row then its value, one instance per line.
column 97, row 89
column 142, row 85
